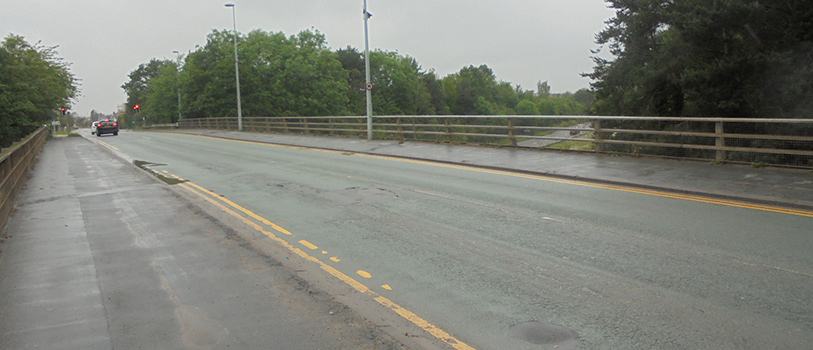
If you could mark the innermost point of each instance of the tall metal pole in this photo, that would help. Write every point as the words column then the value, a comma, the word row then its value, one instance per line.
column 237, row 70
column 178, row 82
column 369, row 84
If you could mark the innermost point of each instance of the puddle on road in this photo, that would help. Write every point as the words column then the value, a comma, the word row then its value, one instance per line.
column 540, row 333
column 146, row 166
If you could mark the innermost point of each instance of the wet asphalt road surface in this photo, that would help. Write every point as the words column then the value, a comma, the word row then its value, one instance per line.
column 502, row 261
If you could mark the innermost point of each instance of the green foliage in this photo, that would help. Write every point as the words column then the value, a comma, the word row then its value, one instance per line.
column 137, row 88
column 300, row 76
column 526, row 107
column 34, row 84
column 208, row 88
column 400, row 85
column 161, row 103
column 707, row 58
column 353, row 63
column 279, row 76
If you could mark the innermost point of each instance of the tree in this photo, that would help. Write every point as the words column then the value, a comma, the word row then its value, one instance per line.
column 473, row 84
column 138, row 86
column 353, row 63
column 161, row 103
column 706, row 58
column 585, row 98
column 542, row 89
column 279, row 76
column 208, row 85
column 399, row 86
column 34, row 84
column 526, row 107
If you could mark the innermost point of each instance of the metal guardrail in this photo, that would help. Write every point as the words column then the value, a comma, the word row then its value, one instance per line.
column 15, row 163
column 763, row 141
column 162, row 126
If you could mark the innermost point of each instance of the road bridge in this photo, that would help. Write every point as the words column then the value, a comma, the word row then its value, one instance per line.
column 247, row 239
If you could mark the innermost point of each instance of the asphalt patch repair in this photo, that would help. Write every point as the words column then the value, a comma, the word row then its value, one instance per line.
column 147, row 166
column 540, row 333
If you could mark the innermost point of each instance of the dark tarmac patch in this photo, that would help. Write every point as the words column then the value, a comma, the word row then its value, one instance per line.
column 540, row 333
column 146, row 166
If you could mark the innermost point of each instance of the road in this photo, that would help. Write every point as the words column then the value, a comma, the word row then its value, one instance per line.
column 538, row 143
column 493, row 260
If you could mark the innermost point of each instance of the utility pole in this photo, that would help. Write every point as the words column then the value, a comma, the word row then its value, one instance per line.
column 178, row 81
column 369, row 84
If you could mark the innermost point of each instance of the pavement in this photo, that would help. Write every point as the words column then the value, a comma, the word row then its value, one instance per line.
column 783, row 187
column 100, row 255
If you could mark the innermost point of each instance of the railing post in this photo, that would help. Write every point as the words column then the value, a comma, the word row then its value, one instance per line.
column 448, row 130
column 305, row 121
column 597, row 140
column 511, row 136
column 719, row 155
column 330, row 123
column 400, row 129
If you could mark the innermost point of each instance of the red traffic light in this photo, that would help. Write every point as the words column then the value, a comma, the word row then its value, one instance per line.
column 136, row 107
column 63, row 110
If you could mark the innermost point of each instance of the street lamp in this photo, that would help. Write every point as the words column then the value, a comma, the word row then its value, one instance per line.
column 237, row 69
column 368, row 86
column 177, row 82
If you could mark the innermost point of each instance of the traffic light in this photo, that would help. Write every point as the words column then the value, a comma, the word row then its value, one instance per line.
column 64, row 110
column 136, row 108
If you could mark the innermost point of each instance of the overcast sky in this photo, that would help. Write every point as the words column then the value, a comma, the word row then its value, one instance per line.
column 522, row 41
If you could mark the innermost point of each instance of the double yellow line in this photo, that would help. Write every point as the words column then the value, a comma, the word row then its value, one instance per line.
column 235, row 210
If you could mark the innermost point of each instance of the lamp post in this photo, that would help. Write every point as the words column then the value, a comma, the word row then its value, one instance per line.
column 369, row 84
column 177, row 82
column 236, row 69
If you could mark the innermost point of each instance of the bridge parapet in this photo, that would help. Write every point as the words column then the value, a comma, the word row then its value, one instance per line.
column 15, row 163
column 756, row 141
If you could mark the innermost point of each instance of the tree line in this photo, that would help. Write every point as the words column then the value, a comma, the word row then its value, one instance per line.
column 35, row 84
column 708, row 58
column 300, row 76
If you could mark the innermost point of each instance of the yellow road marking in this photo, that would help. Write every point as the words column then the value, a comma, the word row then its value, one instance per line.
column 244, row 210
column 335, row 259
column 387, row 287
column 408, row 315
column 437, row 332
column 308, row 244
column 364, row 274
column 630, row 189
